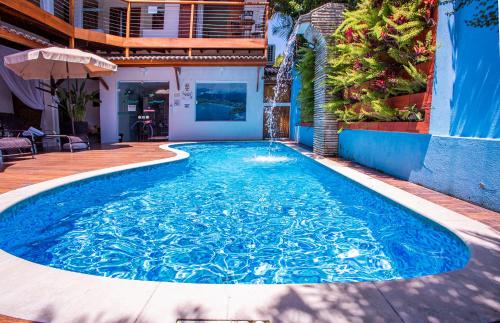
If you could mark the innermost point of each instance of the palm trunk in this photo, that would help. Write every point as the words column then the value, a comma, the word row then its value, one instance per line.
column 73, row 126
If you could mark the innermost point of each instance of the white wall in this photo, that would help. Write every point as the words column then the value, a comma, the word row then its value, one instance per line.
column 182, row 124
column 5, row 98
column 171, row 18
column 170, row 23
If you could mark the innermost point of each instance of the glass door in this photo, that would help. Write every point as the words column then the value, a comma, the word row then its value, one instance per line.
column 143, row 111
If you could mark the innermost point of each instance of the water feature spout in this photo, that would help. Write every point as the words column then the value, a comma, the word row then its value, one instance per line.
column 281, row 82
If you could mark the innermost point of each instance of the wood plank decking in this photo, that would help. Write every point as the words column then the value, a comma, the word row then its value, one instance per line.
column 26, row 171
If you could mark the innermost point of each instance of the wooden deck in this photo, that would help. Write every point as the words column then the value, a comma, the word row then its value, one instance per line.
column 21, row 172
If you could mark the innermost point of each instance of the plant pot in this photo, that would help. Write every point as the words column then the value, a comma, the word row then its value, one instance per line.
column 398, row 126
column 81, row 127
column 402, row 101
column 426, row 67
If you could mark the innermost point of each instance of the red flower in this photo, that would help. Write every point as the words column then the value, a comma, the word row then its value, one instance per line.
column 348, row 34
column 419, row 49
column 380, row 84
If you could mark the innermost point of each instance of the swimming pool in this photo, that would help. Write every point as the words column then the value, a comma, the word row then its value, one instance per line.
column 231, row 213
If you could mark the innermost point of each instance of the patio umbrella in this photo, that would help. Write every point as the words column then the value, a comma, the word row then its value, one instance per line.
column 58, row 63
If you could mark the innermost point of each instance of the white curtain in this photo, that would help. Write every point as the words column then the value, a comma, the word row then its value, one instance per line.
column 26, row 91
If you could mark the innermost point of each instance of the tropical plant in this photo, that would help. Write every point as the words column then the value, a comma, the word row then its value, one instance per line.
column 411, row 113
column 278, row 60
column 374, row 54
column 74, row 101
column 288, row 11
column 305, row 67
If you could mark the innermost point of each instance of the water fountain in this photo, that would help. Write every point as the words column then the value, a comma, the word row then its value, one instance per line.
column 281, row 86
column 281, row 83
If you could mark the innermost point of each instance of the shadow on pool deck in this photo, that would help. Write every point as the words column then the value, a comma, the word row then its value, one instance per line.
column 468, row 295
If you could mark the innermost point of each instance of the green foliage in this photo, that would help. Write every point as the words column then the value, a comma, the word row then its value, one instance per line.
column 374, row 56
column 305, row 67
column 411, row 113
column 288, row 11
column 295, row 8
column 76, row 99
column 278, row 60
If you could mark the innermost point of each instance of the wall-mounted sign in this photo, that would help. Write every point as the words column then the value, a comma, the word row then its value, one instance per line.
column 152, row 10
column 131, row 108
column 187, row 92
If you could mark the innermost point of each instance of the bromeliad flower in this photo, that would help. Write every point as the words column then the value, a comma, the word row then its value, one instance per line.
column 380, row 85
column 348, row 34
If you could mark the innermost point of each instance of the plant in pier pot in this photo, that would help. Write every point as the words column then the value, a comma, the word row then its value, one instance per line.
column 376, row 54
column 74, row 101
column 411, row 113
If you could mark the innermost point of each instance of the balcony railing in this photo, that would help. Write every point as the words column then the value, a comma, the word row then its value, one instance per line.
column 59, row 8
column 147, row 27
column 174, row 19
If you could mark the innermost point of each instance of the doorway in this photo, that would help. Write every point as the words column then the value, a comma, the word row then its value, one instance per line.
column 281, row 122
column 143, row 111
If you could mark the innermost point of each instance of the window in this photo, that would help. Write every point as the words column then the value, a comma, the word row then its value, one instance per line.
column 90, row 14
column 61, row 9
column 271, row 49
column 158, row 18
column 221, row 101
column 284, row 96
column 117, row 21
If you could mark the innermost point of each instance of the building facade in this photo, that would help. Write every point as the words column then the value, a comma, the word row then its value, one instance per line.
column 187, row 70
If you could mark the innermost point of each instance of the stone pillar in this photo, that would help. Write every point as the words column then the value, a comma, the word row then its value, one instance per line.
column 325, row 123
column 323, row 22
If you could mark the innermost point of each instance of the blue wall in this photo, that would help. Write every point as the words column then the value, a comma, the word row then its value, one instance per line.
column 306, row 135
column 466, row 98
column 464, row 167
column 294, row 104
column 303, row 135
column 461, row 155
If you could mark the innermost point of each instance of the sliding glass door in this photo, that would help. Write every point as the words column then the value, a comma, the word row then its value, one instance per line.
column 143, row 111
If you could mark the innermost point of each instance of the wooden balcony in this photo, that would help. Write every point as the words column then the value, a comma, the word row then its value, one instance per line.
column 156, row 28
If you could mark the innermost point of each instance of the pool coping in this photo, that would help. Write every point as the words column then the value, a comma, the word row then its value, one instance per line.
column 38, row 292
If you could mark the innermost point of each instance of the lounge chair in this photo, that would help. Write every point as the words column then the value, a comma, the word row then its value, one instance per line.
column 15, row 146
column 71, row 143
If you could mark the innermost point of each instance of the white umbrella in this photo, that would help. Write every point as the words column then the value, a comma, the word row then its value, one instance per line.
column 58, row 63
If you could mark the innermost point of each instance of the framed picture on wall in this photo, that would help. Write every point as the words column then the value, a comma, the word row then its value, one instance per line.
column 221, row 101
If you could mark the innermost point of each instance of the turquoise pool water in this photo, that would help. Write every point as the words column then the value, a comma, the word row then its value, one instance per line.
column 229, row 214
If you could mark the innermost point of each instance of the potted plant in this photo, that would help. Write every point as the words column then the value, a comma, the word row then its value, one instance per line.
column 74, row 101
